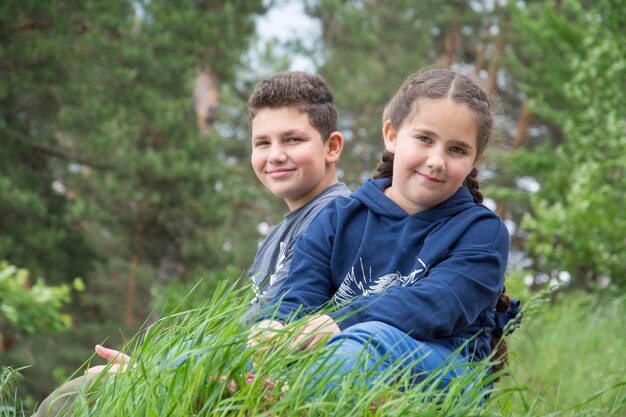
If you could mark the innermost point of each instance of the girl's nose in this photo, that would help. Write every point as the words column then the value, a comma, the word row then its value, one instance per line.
column 436, row 159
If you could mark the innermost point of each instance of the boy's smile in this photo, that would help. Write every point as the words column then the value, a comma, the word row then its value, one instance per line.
column 280, row 173
column 289, row 155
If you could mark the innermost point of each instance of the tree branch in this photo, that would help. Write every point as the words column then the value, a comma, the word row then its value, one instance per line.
column 30, row 26
column 57, row 153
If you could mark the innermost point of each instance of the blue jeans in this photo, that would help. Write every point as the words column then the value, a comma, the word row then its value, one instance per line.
column 377, row 349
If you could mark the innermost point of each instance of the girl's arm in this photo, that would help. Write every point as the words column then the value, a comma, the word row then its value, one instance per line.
column 308, row 286
column 450, row 298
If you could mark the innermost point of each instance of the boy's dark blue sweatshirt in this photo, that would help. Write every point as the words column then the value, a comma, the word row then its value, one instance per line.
column 435, row 274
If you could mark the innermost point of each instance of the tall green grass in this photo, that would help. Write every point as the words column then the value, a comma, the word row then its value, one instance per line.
column 556, row 356
column 570, row 354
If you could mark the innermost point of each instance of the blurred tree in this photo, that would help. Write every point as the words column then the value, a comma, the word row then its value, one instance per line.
column 370, row 47
column 574, row 75
column 117, row 162
column 37, row 226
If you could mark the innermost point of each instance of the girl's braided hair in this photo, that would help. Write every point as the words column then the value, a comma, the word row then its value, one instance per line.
column 444, row 83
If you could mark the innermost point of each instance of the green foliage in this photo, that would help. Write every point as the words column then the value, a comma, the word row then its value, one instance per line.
column 180, row 296
column 9, row 377
column 104, row 172
column 30, row 307
column 576, row 221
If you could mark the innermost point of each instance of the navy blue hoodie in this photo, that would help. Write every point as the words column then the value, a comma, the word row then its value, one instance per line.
column 435, row 274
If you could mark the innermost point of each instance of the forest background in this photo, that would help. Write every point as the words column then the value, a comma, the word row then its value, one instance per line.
column 124, row 143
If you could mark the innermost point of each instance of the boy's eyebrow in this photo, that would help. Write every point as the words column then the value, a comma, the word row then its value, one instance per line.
column 290, row 132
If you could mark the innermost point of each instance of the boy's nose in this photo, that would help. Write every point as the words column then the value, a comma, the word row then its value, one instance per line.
column 277, row 154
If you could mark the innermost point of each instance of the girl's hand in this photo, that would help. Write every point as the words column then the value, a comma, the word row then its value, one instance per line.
column 316, row 331
column 267, row 330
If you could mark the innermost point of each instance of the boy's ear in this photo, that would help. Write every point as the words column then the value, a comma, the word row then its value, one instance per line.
column 334, row 146
column 389, row 136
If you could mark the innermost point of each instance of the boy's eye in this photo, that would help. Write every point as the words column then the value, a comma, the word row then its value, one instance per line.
column 293, row 140
column 261, row 143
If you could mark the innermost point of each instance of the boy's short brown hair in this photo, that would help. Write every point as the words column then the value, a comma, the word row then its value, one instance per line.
column 305, row 92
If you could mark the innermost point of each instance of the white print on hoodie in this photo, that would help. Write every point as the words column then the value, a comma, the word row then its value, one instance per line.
column 353, row 287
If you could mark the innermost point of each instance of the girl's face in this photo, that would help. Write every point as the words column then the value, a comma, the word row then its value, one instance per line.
column 434, row 150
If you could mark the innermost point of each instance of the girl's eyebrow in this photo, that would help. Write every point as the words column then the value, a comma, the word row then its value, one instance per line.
column 423, row 131
column 428, row 132
column 461, row 143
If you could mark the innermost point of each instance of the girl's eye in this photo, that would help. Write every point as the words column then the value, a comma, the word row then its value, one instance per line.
column 458, row 149
column 261, row 143
column 424, row 139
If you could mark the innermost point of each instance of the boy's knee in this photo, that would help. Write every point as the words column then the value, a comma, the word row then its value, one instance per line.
column 61, row 401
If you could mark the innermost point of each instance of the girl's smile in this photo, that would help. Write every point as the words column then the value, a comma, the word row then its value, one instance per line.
column 429, row 178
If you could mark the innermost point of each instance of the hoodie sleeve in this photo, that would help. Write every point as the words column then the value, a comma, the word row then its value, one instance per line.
column 451, row 296
column 308, row 285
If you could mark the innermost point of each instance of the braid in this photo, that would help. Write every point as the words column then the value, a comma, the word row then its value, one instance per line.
column 472, row 184
column 384, row 169
column 498, row 344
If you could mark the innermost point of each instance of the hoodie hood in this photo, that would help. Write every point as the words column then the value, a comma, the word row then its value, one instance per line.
column 372, row 195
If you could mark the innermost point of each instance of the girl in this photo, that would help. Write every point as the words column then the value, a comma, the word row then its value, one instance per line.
column 412, row 261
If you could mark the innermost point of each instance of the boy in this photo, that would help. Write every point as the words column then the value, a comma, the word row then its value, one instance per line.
column 295, row 148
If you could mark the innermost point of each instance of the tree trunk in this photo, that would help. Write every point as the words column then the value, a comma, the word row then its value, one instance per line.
column 498, row 53
column 206, row 98
column 524, row 121
column 131, row 286
column 452, row 44
column 480, row 59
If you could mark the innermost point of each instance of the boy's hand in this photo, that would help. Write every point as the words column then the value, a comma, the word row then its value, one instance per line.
column 119, row 359
column 316, row 331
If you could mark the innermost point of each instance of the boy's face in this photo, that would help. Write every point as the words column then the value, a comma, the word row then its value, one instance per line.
column 289, row 156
